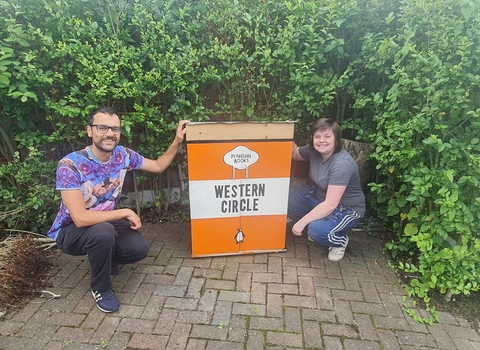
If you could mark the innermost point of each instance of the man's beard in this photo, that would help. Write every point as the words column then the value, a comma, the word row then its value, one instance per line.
column 100, row 146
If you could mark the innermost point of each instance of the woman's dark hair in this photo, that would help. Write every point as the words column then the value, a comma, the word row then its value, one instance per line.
column 103, row 109
column 328, row 123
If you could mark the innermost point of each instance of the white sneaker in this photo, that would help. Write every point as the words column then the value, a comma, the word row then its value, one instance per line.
column 337, row 253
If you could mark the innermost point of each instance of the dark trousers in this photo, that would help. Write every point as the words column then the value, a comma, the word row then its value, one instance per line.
column 106, row 244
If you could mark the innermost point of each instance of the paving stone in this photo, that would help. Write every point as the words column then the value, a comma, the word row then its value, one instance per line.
column 151, row 341
column 319, row 315
column 274, row 305
column 194, row 288
column 259, row 293
column 179, row 337
column 343, row 312
column 365, row 327
column 233, row 296
column 237, row 335
column 166, row 322
column 388, row 339
column 440, row 336
column 220, row 284
column 274, row 265
column 361, row 345
column 290, row 275
column 368, row 308
column 248, row 309
column 209, row 332
column 339, row 330
column 135, row 325
column 68, row 334
column 266, row 323
column 255, row 339
column 300, row 301
column 183, row 276
column 153, row 307
column 285, row 339
column 222, row 313
column 106, row 330
column 181, row 303
column 244, row 282
column 350, row 279
column 207, row 300
column 324, row 298
column 305, row 286
column 189, row 316
column 253, row 268
column 293, row 321
column 222, row 345
column 412, row 338
column 267, row 277
column 332, row 343
column 170, row 291
column 196, row 344
column 311, row 335
column 282, row 288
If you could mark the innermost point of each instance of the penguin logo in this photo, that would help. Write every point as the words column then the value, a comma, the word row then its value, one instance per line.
column 239, row 237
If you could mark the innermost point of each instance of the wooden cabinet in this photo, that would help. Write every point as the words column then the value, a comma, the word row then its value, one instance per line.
column 239, row 179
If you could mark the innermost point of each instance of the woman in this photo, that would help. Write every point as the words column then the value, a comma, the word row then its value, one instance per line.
column 335, row 202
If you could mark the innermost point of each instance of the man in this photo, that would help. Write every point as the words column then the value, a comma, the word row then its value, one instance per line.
column 88, row 222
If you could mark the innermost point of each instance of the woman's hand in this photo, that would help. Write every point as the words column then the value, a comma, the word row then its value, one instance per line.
column 297, row 229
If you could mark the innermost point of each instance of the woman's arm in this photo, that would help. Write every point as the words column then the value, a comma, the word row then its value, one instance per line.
column 296, row 154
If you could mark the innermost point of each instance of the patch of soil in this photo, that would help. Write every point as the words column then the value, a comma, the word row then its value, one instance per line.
column 462, row 306
column 176, row 213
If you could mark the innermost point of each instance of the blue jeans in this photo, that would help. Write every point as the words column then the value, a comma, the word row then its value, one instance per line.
column 329, row 231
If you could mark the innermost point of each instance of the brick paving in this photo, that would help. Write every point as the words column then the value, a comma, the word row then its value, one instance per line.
column 295, row 299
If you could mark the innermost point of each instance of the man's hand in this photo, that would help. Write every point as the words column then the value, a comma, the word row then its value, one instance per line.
column 134, row 219
column 181, row 130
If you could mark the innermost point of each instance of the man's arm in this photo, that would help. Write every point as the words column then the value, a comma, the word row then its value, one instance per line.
column 73, row 200
column 163, row 162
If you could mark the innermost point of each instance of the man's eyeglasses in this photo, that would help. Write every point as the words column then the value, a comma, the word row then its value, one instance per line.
column 102, row 129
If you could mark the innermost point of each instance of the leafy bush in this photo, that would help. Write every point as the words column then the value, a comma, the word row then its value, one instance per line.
column 427, row 145
column 28, row 200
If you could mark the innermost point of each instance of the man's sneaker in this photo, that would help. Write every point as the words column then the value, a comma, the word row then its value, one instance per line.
column 310, row 238
column 106, row 301
column 337, row 253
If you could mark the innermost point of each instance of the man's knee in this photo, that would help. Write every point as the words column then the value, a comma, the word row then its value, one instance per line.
column 103, row 233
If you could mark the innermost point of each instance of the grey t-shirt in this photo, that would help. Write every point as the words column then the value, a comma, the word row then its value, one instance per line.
column 340, row 169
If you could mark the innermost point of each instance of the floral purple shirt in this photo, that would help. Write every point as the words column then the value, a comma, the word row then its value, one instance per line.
column 100, row 182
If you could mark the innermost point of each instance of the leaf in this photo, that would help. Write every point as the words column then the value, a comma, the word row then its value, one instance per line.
column 410, row 229
column 4, row 80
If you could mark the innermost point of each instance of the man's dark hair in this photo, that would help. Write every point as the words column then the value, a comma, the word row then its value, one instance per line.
column 328, row 123
column 102, row 109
